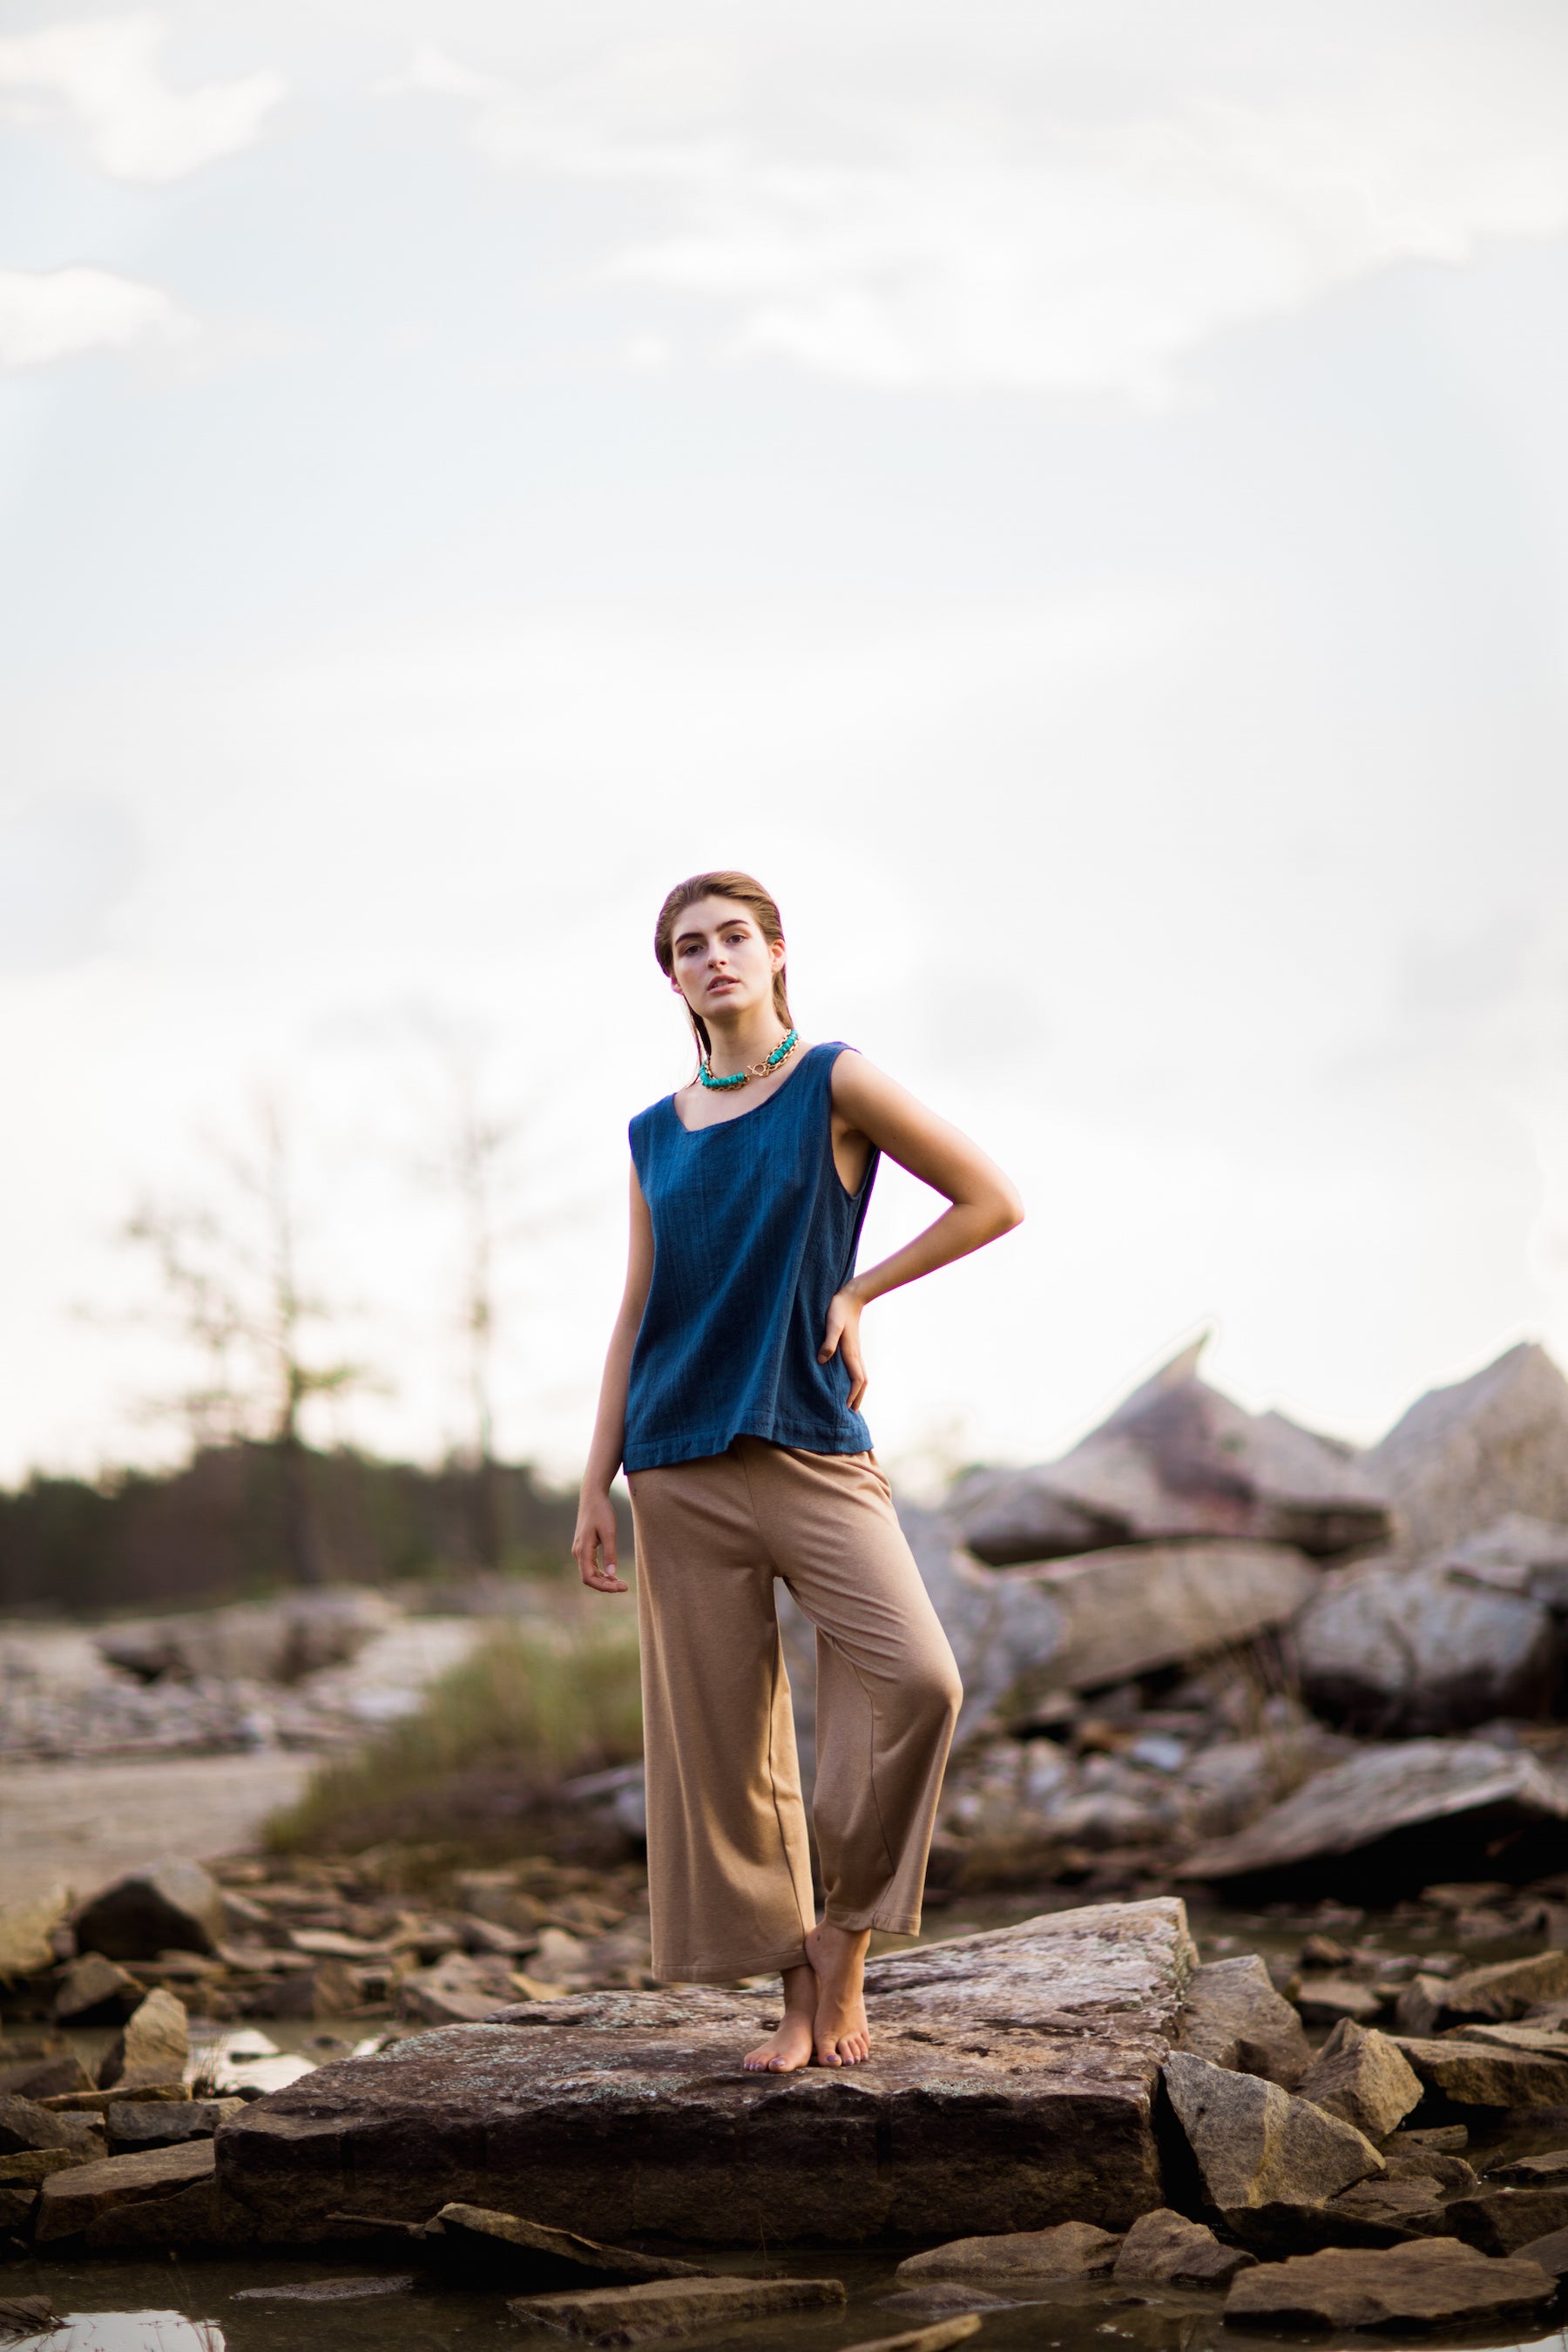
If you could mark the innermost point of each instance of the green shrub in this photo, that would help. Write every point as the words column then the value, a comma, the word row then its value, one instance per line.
column 480, row 1765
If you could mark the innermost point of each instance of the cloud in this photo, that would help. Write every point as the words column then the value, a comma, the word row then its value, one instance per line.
column 62, row 314
column 101, row 76
column 64, row 862
column 992, row 224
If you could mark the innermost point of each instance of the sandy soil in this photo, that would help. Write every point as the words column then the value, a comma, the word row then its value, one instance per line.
column 77, row 1824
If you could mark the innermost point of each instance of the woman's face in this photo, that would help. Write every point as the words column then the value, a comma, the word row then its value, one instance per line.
column 722, row 963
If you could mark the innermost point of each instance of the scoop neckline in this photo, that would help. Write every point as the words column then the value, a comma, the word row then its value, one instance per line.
column 714, row 1125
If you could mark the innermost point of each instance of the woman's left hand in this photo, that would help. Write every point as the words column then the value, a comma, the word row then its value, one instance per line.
column 842, row 1337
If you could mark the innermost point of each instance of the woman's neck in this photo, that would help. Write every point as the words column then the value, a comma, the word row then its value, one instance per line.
column 747, row 1038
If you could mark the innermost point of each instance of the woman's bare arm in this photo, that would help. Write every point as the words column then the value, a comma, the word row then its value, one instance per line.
column 594, row 1545
column 984, row 1203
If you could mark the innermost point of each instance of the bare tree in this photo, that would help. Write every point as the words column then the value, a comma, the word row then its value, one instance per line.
column 233, row 1290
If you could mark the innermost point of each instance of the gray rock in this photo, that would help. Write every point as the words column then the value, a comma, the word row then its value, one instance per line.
column 1331, row 2001
column 1396, row 1649
column 1129, row 1610
column 271, row 1641
column 1004, row 1630
column 164, row 1906
column 334, row 2290
column 94, row 1991
column 1387, row 1806
column 663, row 2308
column 1169, row 2249
column 1495, row 1995
column 164, row 2123
column 1425, row 2282
column 1463, row 1457
column 1384, row 2213
column 44, row 2077
column 1014, row 2257
column 1550, row 2252
column 479, row 2237
column 74, row 2199
column 1528, row 2171
column 1518, row 1554
column 946, row 2294
column 1255, row 2146
column 1233, row 2017
column 1471, row 2074
column 1365, row 2079
column 25, row 2124
column 152, row 2045
column 1011, row 2085
column 1176, row 1459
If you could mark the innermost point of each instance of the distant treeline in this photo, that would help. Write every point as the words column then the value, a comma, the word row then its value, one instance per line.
column 219, row 1528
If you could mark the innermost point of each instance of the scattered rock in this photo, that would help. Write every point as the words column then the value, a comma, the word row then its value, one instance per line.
column 1127, row 1611
column 1002, row 1631
column 272, row 1641
column 1255, row 2146
column 1507, row 1990
column 1526, row 2171
column 73, row 2200
column 1449, row 2172
column 670, row 2307
column 1445, row 2139
column 334, row 2290
column 1364, row 2079
column 25, row 2124
column 1500, row 2220
column 94, row 1991
column 26, row 1929
column 1168, row 2248
column 161, row 2123
column 1014, row 2084
column 1394, row 1650
column 1175, row 1459
column 1234, row 2017
column 165, row 1904
column 946, row 2294
column 1071, row 2250
column 1463, row 1457
column 1428, row 2281
column 98, row 2102
column 1326, row 2000
column 548, row 2257
column 151, row 2047
column 1487, row 2074
column 26, row 2314
column 44, row 2077
column 31, row 2166
column 1550, row 2252
column 1393, row 1809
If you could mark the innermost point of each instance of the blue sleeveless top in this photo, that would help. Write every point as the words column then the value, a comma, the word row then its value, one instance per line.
column 752, row 1234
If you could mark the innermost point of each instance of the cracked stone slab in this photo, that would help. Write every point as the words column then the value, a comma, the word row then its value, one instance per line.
column 1012, row 2086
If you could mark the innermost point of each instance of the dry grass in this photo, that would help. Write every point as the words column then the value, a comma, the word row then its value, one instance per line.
column 479, row 1767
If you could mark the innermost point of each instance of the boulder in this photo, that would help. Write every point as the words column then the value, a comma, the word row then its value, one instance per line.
column 152, row 2045
column 1516, row 1554
column 1381, row 1819
column 1429, row 2283
column 44, row 2077
column 271, row 1641
column 1017, row 2257
column 1550, row 2252
column 27, row 1930
column 1256, row 2147
column 1012, row 2086
column 24, row 2125
column 1004, row 1630
column 1167, row 2248
column 73, row 2200
column 163, row 1906
column 1501, row 2221
column 1463, row 1457
column 94, row 1991
column 1364, row 2079
column 1176, row 1459
column 1382, row 2213
column 663, row 2308
column 135, row 2124
column 1495, row 1995
column 1233, row 2017
column 479, row 2239
column 1334, row 2000
column 1127, row 1611
column 1398, row 1651
column 1470, row 2074
column 1450, row 2172
column 946, row 2294
column 1529, row 2171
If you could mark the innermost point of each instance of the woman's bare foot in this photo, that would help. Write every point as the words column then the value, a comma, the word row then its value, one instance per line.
column 840, row 2034
column 790, row 2046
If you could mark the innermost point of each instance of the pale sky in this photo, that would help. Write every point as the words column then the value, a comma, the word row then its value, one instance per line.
column 1074, row 496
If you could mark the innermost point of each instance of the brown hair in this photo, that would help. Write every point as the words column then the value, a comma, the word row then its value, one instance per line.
column 746, row 892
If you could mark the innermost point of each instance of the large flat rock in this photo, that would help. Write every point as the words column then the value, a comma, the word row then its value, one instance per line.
column 1012, row 2086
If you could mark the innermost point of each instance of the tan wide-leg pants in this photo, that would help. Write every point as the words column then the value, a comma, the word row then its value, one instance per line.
column 729, row 1865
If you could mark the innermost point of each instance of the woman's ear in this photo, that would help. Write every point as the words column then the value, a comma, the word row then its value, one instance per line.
column 776, row 955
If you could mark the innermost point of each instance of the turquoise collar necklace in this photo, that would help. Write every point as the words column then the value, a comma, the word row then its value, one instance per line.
column 785, row 1047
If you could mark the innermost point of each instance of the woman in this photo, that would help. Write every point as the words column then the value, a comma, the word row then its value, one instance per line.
column 732, row 1392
